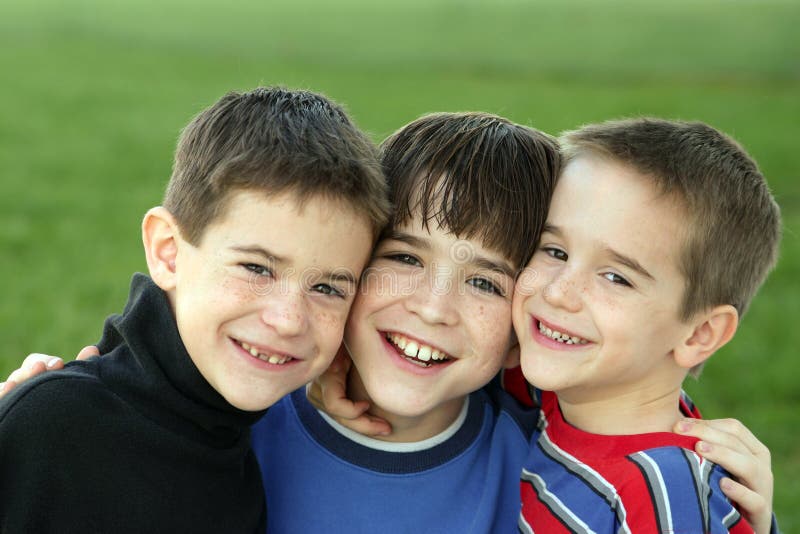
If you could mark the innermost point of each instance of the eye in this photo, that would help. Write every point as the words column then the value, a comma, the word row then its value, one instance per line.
column 556, row 253
column 257, row 269
column 408, row 259
column 329, row 290
column 485, row 285
column 617, row 279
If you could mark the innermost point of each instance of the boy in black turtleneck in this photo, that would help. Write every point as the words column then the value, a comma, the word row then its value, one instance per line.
column 274, row 203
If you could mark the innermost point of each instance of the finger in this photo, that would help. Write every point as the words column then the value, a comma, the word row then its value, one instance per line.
column 727, row 442
column 25, row 373
column 314, row 395
column 41, row 362
column 752, row 505
column 336, row 403
column 6, row 386
column 332, row 399
column 367, row 425
column 742, row 465
column 87, row 352
column 726, row 431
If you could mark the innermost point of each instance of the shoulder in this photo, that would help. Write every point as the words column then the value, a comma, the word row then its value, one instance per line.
column 683, row 489
column 509, row 414
column 53, row 396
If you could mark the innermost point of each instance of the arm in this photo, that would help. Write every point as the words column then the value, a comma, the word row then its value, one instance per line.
column 728, row 443
column 36, row 364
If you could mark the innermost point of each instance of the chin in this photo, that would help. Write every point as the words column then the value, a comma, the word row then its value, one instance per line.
column 249, row 403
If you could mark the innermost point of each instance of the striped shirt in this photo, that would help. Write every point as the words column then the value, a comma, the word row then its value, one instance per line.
column 574, row 481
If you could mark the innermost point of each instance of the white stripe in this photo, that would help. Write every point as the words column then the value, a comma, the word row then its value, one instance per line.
column 412, row 446
column 542, row 486
column 598, row 478
column 524, row 526
column 731, row 518
column 663, row 486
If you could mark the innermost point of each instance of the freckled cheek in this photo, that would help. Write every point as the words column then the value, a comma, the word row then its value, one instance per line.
column 492, row 324
column 329, row 326
column 240, row 290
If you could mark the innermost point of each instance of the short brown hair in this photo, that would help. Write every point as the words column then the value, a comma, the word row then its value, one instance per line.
column 733, row 225
column 476, row 175
column 277, row 141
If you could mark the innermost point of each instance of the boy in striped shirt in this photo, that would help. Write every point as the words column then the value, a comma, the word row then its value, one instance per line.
column 658, row 236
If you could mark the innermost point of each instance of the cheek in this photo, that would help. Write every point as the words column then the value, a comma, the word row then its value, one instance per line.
column 329, row 326
column 491, row 325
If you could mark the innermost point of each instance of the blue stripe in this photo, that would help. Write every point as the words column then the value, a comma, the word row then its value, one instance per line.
column 575, row 493
column 680, row 487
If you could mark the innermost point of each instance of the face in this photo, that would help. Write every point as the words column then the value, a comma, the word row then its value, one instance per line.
column 597, row 310
column 431, row 322
column 262, row 301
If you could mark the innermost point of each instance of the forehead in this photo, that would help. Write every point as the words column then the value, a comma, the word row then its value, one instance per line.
column 613, row 204
column 310, row 229
column 441, row 240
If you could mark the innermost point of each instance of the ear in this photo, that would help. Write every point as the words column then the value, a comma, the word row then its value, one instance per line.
column 711, row 331
column 160, row 236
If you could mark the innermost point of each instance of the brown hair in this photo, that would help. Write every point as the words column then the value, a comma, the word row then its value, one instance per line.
column 476, row 175
column 276, row 141
column 733, row 227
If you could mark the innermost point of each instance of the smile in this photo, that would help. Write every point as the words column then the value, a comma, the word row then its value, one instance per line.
column 275, row 359
column 561, row 337
column 416, row 352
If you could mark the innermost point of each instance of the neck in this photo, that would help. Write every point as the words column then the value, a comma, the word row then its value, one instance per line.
column 406, row 429
column 633, row 412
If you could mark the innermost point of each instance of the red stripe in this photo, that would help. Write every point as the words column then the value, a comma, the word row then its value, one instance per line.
column 537, row 514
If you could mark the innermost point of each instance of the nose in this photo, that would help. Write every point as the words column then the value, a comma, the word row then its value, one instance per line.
column 285, row 311
column 434, row 299
column 563, row 290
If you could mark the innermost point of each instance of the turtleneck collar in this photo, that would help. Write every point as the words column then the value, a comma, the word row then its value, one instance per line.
column 149, row 365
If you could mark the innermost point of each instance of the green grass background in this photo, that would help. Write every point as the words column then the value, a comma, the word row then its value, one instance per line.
column 94, row 94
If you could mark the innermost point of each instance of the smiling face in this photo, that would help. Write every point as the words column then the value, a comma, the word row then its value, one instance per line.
column 261, row 302
column 431, row 323
column 597, row 310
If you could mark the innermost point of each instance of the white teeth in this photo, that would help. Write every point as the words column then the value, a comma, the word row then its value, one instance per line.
column 562, row 338
column 275, row 359
column 424, row 353
column 417, row 352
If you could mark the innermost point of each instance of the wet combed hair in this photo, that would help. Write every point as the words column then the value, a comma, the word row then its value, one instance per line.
column 476, row 175
column 275, row 141
column 733, row 224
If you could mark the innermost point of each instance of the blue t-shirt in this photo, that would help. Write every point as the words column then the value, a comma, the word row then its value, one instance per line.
column 317, row 479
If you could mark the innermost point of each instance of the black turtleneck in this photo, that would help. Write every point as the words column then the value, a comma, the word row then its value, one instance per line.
column 135, row 441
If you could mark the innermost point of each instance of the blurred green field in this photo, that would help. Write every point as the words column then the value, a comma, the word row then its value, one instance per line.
column 94, row 94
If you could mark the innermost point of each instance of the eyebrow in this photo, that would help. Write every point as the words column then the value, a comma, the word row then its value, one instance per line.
column 408, row 239
column 477, row 260
column 259, row 251
column 336, row 275
column 629, row 262
column 615, row 255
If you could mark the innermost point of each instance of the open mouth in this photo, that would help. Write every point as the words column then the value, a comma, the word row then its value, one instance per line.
column 561, row 337
column 275, row 359
column 415, row 352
